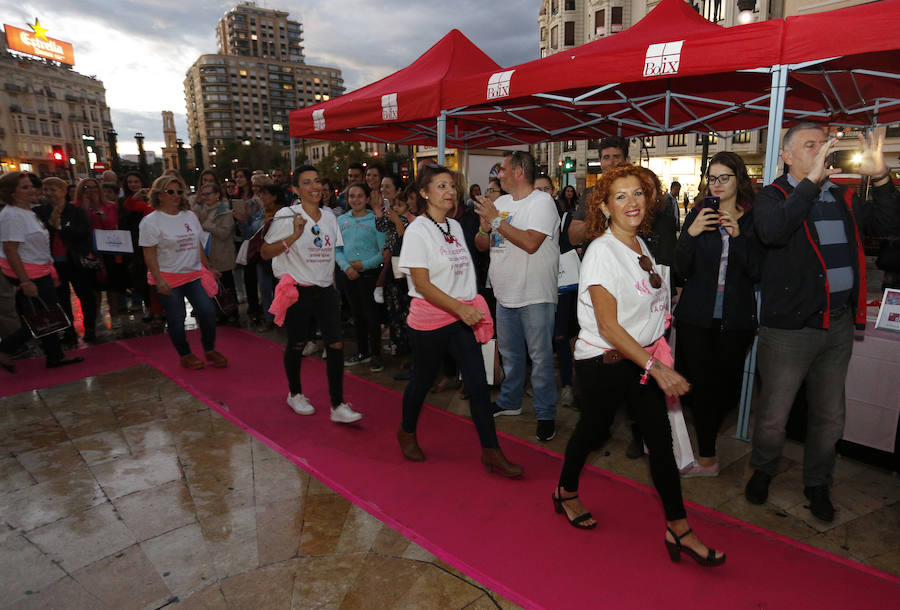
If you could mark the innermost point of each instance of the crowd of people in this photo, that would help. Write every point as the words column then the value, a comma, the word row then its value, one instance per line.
column 441, row 268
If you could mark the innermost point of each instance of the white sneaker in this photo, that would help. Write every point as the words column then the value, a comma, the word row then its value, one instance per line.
column 310, row 348
column 300, row 404
column 343, row 414
column 566, row 396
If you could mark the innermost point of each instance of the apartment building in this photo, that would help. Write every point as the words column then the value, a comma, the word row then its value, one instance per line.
column 247, row 89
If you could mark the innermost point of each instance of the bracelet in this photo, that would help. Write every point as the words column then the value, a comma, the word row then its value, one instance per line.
column 886, row 174
column 286, row 247
column 647, row 368
column 483, row 232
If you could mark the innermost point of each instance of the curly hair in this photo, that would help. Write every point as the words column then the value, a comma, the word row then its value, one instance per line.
column 596, row 222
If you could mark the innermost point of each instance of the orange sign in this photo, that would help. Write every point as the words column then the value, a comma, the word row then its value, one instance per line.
column 37, row 43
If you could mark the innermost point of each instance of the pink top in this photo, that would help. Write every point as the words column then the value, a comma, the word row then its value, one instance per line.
column 426, row 316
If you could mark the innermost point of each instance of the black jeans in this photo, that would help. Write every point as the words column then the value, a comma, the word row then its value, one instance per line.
column 251, row 288
column 85, row 284
column 317, row 306
column 366, row 320
column 46, row 293
column 605, row 387
column 429, row 349
column 712, row 360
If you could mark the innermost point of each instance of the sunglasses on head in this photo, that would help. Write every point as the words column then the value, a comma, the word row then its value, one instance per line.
column 647, row 265
column 174, row 192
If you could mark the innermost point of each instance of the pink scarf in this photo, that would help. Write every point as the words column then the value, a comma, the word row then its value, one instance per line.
column 207, row 279
column 286, row 295
column 32, row 270
column 426, row 316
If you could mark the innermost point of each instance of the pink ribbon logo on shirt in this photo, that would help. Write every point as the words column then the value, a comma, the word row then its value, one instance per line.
column 188, row 228
column 327, row 241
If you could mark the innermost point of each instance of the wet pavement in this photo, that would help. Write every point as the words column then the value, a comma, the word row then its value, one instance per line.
column 124, row 491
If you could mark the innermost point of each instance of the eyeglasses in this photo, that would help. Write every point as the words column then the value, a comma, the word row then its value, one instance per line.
column 90, row 187
column 722, row 179
column 174, row 192
column 546, row 189
column 647, row 265
column 317, row 232
column 491, row 191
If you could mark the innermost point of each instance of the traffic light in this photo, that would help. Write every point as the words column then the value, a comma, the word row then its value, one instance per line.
column 568, row 165
column 58, row 153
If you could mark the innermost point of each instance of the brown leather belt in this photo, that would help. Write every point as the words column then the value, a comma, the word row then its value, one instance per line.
column 611, row 356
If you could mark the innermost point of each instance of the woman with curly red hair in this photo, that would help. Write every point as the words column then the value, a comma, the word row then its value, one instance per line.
column 622, row 306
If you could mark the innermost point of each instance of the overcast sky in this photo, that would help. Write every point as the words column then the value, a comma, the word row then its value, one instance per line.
column 142, row 49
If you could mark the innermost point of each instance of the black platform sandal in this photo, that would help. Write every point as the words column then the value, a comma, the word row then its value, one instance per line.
column 676, row 549
column 577, row 521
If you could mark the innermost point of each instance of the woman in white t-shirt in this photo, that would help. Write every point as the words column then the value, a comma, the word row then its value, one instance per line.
column 622, row 307
column 445, row 314
column 301, row 242
column 27, row 263
column 173, row 251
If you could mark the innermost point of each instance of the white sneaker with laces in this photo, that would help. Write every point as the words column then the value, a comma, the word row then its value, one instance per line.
column 300, row 404
column 566, row 396
column 343, row 414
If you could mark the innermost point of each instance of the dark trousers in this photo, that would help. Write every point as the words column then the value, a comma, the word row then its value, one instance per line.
column 712, row 360
column 204, row 310
column 84, row 283
column 565, row 324
column 251, row 288
column 429, row 349
column 366, row 319
column 605, row 387
column 317, row 306
column 396, row 300
column 46, row 293
column 821, row 357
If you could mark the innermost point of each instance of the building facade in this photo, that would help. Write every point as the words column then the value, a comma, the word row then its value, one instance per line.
column 563, row 24
column 44, row 104
column 246, row 90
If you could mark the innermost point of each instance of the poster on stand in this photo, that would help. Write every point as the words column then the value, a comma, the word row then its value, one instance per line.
column 889, row 314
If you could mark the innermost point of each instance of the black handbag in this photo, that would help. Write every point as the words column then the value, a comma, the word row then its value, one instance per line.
column 889, row 255
column 91, row 262
column 226, row 302
column 46, row 321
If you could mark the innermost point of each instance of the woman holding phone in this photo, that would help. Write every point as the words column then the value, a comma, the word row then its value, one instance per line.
column 719, row 259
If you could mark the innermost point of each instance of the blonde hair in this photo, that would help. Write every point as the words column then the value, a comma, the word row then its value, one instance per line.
column 161, row 184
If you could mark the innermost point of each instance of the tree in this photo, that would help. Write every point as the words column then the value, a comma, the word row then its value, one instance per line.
column 340, row 155
column 255, row 155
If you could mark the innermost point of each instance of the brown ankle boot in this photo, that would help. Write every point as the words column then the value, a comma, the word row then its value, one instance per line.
column 493, row 459
column 410, row 446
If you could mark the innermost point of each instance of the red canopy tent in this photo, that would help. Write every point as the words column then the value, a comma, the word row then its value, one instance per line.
column 402, row 107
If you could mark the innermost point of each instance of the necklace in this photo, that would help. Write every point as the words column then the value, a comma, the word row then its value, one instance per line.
column 447, row 236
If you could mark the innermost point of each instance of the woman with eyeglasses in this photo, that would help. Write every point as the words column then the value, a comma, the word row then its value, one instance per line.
column 619, row 354
column 301, row 243
column 27, row 262
column 211, row 208
column 719, row 259
column 170, row 237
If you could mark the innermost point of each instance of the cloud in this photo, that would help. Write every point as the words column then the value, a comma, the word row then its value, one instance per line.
column 141, row 50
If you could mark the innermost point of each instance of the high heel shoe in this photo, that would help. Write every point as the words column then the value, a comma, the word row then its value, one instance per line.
column 577, row 522
column 493, row 459
column 409, row 446
column 676, row 549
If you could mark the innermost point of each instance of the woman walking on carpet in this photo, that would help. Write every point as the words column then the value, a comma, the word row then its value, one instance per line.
column 170, row 238
column 301, row 243
column 446, row 316
column 622, row 357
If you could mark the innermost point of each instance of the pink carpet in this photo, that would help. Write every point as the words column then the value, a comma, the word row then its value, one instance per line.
column 501, row 532
column 31, row 374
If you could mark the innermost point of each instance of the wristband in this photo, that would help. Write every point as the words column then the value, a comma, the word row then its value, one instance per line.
column 495, row 224
column 886, row 174
column 647, row 368
column 286, row 247
column 483, row 232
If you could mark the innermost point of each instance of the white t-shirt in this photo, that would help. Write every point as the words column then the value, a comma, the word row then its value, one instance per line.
column 311, row 259
column 24, row 227
column 177, row 240
column 640, row 308
column 449, row 265
column 519, row 278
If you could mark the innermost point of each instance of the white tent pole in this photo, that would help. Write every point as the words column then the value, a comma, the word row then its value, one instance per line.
column 293, row 159
column 441, row 137
column 773, row 141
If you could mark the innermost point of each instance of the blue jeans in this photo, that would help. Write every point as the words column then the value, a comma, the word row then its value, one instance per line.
column 527, row 331
column 204, row 309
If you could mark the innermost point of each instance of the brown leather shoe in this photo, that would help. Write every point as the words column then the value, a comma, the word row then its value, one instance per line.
column 192, row 362
column 410, row 446
column 494, row 460
column 216, row 359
